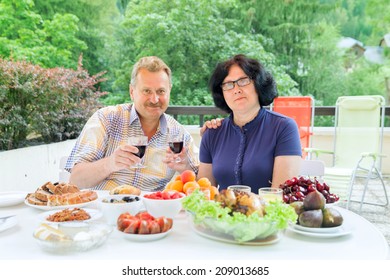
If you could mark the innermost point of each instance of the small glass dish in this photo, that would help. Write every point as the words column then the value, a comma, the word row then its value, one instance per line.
column 71, row 237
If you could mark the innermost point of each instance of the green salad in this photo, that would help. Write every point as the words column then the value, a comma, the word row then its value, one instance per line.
column 210, row 214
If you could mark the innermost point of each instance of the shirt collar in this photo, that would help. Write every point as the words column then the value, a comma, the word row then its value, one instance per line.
column 134, row 117
column 253, row 122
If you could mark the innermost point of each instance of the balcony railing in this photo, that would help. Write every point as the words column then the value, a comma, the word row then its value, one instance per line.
column 203, row 111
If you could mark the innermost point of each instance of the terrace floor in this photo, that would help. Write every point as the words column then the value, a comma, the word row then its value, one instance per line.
column 378, row 215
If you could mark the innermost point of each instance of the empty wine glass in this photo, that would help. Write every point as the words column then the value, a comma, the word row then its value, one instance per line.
column 140, row 142
column 176, row 142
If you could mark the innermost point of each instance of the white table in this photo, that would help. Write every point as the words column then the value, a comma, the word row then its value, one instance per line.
column 365, row 242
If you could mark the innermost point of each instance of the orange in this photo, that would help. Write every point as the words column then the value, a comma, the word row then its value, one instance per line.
column 204, row 182
column 192, row 184
column 175, row 186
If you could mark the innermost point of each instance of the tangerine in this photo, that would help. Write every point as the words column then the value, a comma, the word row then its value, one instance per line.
column 168, row 186
column 191, row 189
column 204, row 182
column 213, row 191
column 192, row 184
column 175, row 186
column 178, row 178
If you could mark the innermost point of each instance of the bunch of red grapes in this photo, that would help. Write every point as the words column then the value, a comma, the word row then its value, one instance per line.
column 296, row 189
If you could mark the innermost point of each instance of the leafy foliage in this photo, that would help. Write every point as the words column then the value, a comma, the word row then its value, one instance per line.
column 53, row 103
column 191, row 37
column 24, row 35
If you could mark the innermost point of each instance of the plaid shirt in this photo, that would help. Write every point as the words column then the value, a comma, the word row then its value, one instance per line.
column 110, row 127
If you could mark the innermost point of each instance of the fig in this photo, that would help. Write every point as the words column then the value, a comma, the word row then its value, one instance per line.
column 331, row 217
column 314, row 200
column 311, row 218
column 298, row 207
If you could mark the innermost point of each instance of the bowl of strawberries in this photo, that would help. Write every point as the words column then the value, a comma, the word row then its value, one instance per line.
column 165, row 203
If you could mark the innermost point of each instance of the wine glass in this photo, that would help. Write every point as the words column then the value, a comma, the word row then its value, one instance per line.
column 140, row 142
column 176, row 142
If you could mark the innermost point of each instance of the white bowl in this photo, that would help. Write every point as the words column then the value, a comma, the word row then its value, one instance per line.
column 111, row 211
column 168, row 208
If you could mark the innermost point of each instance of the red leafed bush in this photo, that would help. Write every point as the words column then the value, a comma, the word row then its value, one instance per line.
column 52, row 104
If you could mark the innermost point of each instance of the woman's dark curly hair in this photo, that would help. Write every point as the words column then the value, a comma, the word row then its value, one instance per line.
column 265, row 84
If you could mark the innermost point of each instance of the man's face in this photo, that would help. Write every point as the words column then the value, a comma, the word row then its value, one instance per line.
column 151, row 94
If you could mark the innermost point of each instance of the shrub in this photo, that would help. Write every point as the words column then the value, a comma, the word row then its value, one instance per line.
column 51, row 103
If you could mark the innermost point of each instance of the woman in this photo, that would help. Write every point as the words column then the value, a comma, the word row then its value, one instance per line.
column 253, row 146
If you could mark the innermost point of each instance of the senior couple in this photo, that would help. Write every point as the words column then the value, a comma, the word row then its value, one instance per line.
column 252, row 146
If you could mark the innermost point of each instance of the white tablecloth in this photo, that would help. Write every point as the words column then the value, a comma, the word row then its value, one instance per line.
column 365, row 242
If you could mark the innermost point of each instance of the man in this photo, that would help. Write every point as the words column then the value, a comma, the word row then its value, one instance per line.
column 101, row 157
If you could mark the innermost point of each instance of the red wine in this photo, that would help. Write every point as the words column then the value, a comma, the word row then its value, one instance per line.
column 176, row 147
column 141, row 151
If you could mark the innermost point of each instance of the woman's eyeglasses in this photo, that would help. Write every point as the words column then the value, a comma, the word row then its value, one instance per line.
column 241, row 82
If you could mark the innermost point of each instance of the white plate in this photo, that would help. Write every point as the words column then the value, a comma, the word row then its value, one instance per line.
column 94, row 213
column 333, row 203
column 8, row 223
column 342, row 230
column 47, row 208
column 317, row 230
column 143, row 237
column 11, row 198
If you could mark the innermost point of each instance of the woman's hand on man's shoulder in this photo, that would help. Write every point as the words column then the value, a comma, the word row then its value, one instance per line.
column 212, row 124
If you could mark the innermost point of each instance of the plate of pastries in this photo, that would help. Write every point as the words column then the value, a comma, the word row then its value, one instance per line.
column 51, row 196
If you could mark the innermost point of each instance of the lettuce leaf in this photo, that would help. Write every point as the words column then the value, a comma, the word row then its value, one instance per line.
column 212, row 215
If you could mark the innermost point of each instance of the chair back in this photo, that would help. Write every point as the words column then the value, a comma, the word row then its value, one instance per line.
column 312, row 168
column 64, row 175
column 359, row 124
column 301, row 109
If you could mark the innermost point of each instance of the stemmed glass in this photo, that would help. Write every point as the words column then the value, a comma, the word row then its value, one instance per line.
column 176, row 142
column 140, row 142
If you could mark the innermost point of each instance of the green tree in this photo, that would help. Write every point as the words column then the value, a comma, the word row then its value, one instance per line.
column 98, row 20
column 298, row 39
column 24, row 35
column 191, row 36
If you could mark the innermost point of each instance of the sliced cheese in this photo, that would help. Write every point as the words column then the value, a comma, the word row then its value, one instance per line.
column 49, row 233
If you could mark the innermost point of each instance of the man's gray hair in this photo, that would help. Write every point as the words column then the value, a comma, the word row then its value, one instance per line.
column 152, row 64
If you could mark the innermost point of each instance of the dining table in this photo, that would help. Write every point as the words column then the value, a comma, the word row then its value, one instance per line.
column 362, row 241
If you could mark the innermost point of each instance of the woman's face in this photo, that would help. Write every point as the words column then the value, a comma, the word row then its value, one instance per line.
column 240, row 98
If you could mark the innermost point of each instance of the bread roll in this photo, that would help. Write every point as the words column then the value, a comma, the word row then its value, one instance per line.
column 32, row 199
column 125, row 189
column 72, row 198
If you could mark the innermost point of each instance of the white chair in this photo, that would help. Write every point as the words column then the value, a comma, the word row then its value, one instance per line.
column 312, row 168
column 64, row 175
column 358, row 139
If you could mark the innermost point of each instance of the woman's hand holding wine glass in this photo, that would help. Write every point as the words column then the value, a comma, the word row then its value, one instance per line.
column 176, row 143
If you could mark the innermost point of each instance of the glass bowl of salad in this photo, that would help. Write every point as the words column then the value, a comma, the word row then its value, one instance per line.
column 209, row 219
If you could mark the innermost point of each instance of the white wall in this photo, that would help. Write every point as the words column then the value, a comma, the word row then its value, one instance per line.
column 28, row 168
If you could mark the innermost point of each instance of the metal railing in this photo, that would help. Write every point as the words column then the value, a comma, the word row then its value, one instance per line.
column 203, row 111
